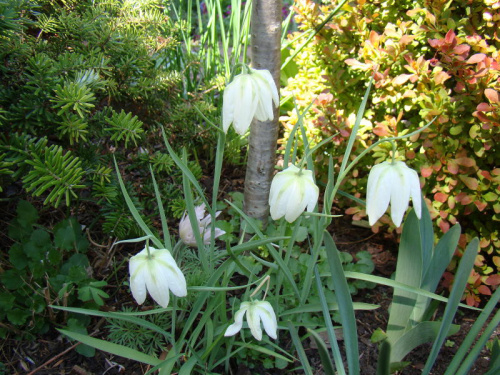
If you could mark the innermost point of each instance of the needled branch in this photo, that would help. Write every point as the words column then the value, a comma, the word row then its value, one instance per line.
column 265, row 54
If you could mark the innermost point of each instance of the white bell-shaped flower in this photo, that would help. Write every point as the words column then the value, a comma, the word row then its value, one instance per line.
column 392, row 182
column 249, row 95
column 156, row 273
column 292, row 191
column 186, row 231
column 256, row 311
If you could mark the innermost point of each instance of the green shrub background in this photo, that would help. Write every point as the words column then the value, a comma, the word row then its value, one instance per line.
column 83, row 81
column 428, row 59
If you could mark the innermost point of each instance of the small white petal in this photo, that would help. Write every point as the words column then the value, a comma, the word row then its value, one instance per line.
column 175, row 277
column 268, row 317
column 415, row 192
column 264, row 110
column 137, row 281
column 400, row 194
column 253, row 320
column 234, row 328
column 157, row 283
column 294, row 200
column 245, row 106
column 267, row 76
column 228, row 105
column 200, row 211
column 378, row 192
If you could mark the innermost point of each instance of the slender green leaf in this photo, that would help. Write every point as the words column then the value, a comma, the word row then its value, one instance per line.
column 185, row 169
column 300, row 349
column 133, row 210
column 109, row 347
column 252, row 245
column 426, row 237
column 187, row 368
column 270, row 248
column 119, row 316
column 461, row 277
column 473, row 333
column 473, row 354
column 163, row 218
column 354, row 133
column 326, row 361
column 384, row 355
column 395, row 284
column 193, row 220
column 443, row 253
column 346, row 309
column 329, row 327
column 264, row 350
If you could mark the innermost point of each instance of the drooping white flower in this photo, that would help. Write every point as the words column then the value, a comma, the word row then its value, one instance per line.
column 292, row 191
column 186, row 231
column 392, row 182
column 256, row 312
column 156, row 273
column 249, row 95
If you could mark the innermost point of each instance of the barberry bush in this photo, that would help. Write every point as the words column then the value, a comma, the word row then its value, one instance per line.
column 428, row 60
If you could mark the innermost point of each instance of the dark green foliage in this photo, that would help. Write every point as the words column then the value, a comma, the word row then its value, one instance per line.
column 138, row 337
column 44, row 267
column 80, row 81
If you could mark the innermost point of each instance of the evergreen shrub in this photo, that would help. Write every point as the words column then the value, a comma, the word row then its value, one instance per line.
column 81, row 81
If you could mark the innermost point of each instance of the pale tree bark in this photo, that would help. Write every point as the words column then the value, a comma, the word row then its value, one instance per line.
column 265, row 54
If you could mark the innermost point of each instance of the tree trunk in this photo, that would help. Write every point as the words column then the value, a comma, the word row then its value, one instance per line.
column 265, row 54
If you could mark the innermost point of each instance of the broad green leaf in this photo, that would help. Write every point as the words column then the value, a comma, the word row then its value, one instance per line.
column 397, row 285
column 409, row 272
column 441, row 258
column 316, row 307
column 420, row 334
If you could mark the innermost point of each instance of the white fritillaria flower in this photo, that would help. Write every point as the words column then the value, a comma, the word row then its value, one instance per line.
column 249, row 95
column 292, row 190
column 392, row 182
column 256, row 311
column 155, row 273
column 186, row 231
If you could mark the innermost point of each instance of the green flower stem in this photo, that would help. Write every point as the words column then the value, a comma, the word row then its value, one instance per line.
column 394, row 150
